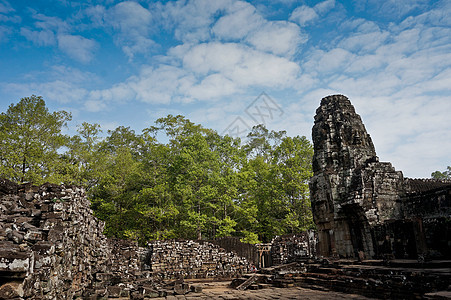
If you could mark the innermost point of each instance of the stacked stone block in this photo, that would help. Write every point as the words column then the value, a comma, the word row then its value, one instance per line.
column 190, row 259
column 52, row 247
column 293, row 247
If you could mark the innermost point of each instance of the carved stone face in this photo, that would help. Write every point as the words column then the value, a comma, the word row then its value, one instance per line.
column 346, row 168
column 339, row 136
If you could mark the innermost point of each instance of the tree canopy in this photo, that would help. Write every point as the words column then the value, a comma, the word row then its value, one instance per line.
column 442, row 175
column 197, row 184
column 30, row 139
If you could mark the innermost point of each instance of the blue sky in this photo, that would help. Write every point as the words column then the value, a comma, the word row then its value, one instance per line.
column 131, row 62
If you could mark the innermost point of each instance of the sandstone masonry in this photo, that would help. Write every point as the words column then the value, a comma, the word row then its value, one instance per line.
column 365, row 208
column 52, row 247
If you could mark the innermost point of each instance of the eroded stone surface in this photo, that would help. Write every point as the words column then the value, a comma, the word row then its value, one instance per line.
column 365, row 208
column 52, row 246
column 190, row 259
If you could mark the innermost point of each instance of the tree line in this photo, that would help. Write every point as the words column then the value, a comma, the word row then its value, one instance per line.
column 196, row 184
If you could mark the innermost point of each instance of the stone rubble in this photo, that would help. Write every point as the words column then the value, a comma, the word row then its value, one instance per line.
column 400, row 280
column 52, row 247
column 293, row 247
column 189, row 259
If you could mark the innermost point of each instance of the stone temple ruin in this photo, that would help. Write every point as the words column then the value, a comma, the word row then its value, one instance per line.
column 52, row 247
column 378, row 234
column 365, row 208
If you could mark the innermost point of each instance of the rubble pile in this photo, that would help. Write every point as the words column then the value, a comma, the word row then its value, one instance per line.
column 293, row 247
column 402, row 280
column 406, row 280
column 50, row 244
column 189, row 259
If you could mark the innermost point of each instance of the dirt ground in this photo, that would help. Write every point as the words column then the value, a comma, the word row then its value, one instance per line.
column 220, row 290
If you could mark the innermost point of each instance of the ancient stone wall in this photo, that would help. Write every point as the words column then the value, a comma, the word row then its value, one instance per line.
column 51, row 246
column 189, row 259
column 363, row 207
column 282, row 249
column 293, row 247
column 233, row 244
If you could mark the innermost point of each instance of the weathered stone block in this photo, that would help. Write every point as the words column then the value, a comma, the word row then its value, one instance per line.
column 11, row 290
column 114, row 291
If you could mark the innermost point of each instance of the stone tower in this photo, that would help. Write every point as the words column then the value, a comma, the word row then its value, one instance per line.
column 351, row 191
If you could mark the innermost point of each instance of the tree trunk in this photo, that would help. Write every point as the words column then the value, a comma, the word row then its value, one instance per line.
column 24, row 163
column 199, row 231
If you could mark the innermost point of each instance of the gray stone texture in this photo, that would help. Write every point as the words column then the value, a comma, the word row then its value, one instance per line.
column 357, row 201
column 52, row 247
column 190, row 259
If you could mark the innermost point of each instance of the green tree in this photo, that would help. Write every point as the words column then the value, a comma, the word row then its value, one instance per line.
column 276, row 186
column 85, row 164
column 292, row 164
column 201, row 170
column 31, row 137
column 113, row 197
column 442, row 175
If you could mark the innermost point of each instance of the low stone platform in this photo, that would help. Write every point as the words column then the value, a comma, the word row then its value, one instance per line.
column 398, row 279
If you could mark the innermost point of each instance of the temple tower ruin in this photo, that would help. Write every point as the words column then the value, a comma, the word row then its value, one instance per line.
column 351, row 191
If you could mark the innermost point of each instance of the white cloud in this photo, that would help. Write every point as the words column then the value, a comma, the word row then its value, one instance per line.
column 364, row 41
column 242, row 65
column 95, row 105
column 192, row 20
column 4, row 32
column 239, row 22
column 280, row 38
column 404, row 130
column 54, row 24
column 133, row 23
column 77, row 47
column 242, row 22
column 213, row 87
column 210, row 72
column 118, row 93
column 303, row 15
column 5, row 7
column 97, row 14
column 395, row 8
column 8, row 20
column 56, row 91
column 39, row 38
column 328, row 62
column 324, row 7
column 439, row 16
column 161, row 85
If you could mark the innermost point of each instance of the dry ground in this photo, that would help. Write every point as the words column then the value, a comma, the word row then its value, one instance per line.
column 220, row 290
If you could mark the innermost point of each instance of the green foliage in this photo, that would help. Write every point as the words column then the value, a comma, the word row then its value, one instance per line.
column 249, row 237
column 196, row 185
column 30, row 139
column 442, row 175
column 277, row 172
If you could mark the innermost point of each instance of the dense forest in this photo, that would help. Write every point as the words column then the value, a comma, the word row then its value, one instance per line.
column 176, row 179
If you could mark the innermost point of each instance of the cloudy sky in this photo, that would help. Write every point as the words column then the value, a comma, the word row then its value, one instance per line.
column 231, row 64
